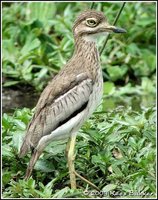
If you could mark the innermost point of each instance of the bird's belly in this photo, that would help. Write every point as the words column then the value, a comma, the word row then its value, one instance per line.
column 64, row 131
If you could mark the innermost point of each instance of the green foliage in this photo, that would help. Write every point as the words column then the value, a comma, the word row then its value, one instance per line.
column 38, row 40
column 115, row 150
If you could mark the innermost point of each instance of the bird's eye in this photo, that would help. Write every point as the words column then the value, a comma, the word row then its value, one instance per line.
column 91, row 22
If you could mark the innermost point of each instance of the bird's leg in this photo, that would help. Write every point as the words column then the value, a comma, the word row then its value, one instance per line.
column 67, row 147
column 32, row 163
column 71, row 158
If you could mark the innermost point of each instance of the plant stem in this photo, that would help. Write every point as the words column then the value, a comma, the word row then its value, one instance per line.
column 92, row 5
column 114, row 23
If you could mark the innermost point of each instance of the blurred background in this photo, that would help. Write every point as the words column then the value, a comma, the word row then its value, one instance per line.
column 116, row 147
column 37, row 42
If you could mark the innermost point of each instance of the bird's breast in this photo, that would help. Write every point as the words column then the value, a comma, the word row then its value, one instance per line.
column 96, row 96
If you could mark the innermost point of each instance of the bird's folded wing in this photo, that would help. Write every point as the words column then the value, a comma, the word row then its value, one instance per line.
column 56, row 106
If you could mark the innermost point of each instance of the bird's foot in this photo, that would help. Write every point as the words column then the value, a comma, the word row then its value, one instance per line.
column 87, row 181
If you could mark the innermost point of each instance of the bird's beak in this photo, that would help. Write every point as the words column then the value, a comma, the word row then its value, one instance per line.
column 116, row 29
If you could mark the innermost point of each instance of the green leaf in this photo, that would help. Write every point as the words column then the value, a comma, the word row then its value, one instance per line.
column 44, row 166
column 60, row 193
column 30, row 45
column 20, row 125
column 109, row 88
column 43, row 11
column 6, row 151
column 117, row 170
column 133, row 49
column 10, row 83
column 17, row 140
column 109, row 187
column 6, row 178
column 117, row 72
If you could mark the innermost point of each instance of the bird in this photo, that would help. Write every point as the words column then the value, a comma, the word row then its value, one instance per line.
column 72, row 95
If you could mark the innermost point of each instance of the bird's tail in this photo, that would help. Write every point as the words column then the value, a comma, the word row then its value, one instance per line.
column 24, row 149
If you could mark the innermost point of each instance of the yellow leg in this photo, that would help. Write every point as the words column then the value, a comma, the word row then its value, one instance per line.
column 71, row 157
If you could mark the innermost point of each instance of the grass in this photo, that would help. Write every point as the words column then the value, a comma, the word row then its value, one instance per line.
column 116, row 147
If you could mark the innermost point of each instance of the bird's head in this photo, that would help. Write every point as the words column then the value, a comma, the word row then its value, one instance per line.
column 91, row 24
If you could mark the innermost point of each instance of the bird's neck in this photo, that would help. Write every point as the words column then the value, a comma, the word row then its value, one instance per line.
column 87, row 49
column 86, row 54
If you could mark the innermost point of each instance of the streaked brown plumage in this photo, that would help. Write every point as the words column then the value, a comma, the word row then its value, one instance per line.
column 72, row 96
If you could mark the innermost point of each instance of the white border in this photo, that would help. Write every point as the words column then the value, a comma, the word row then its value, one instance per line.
column 156, row 84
